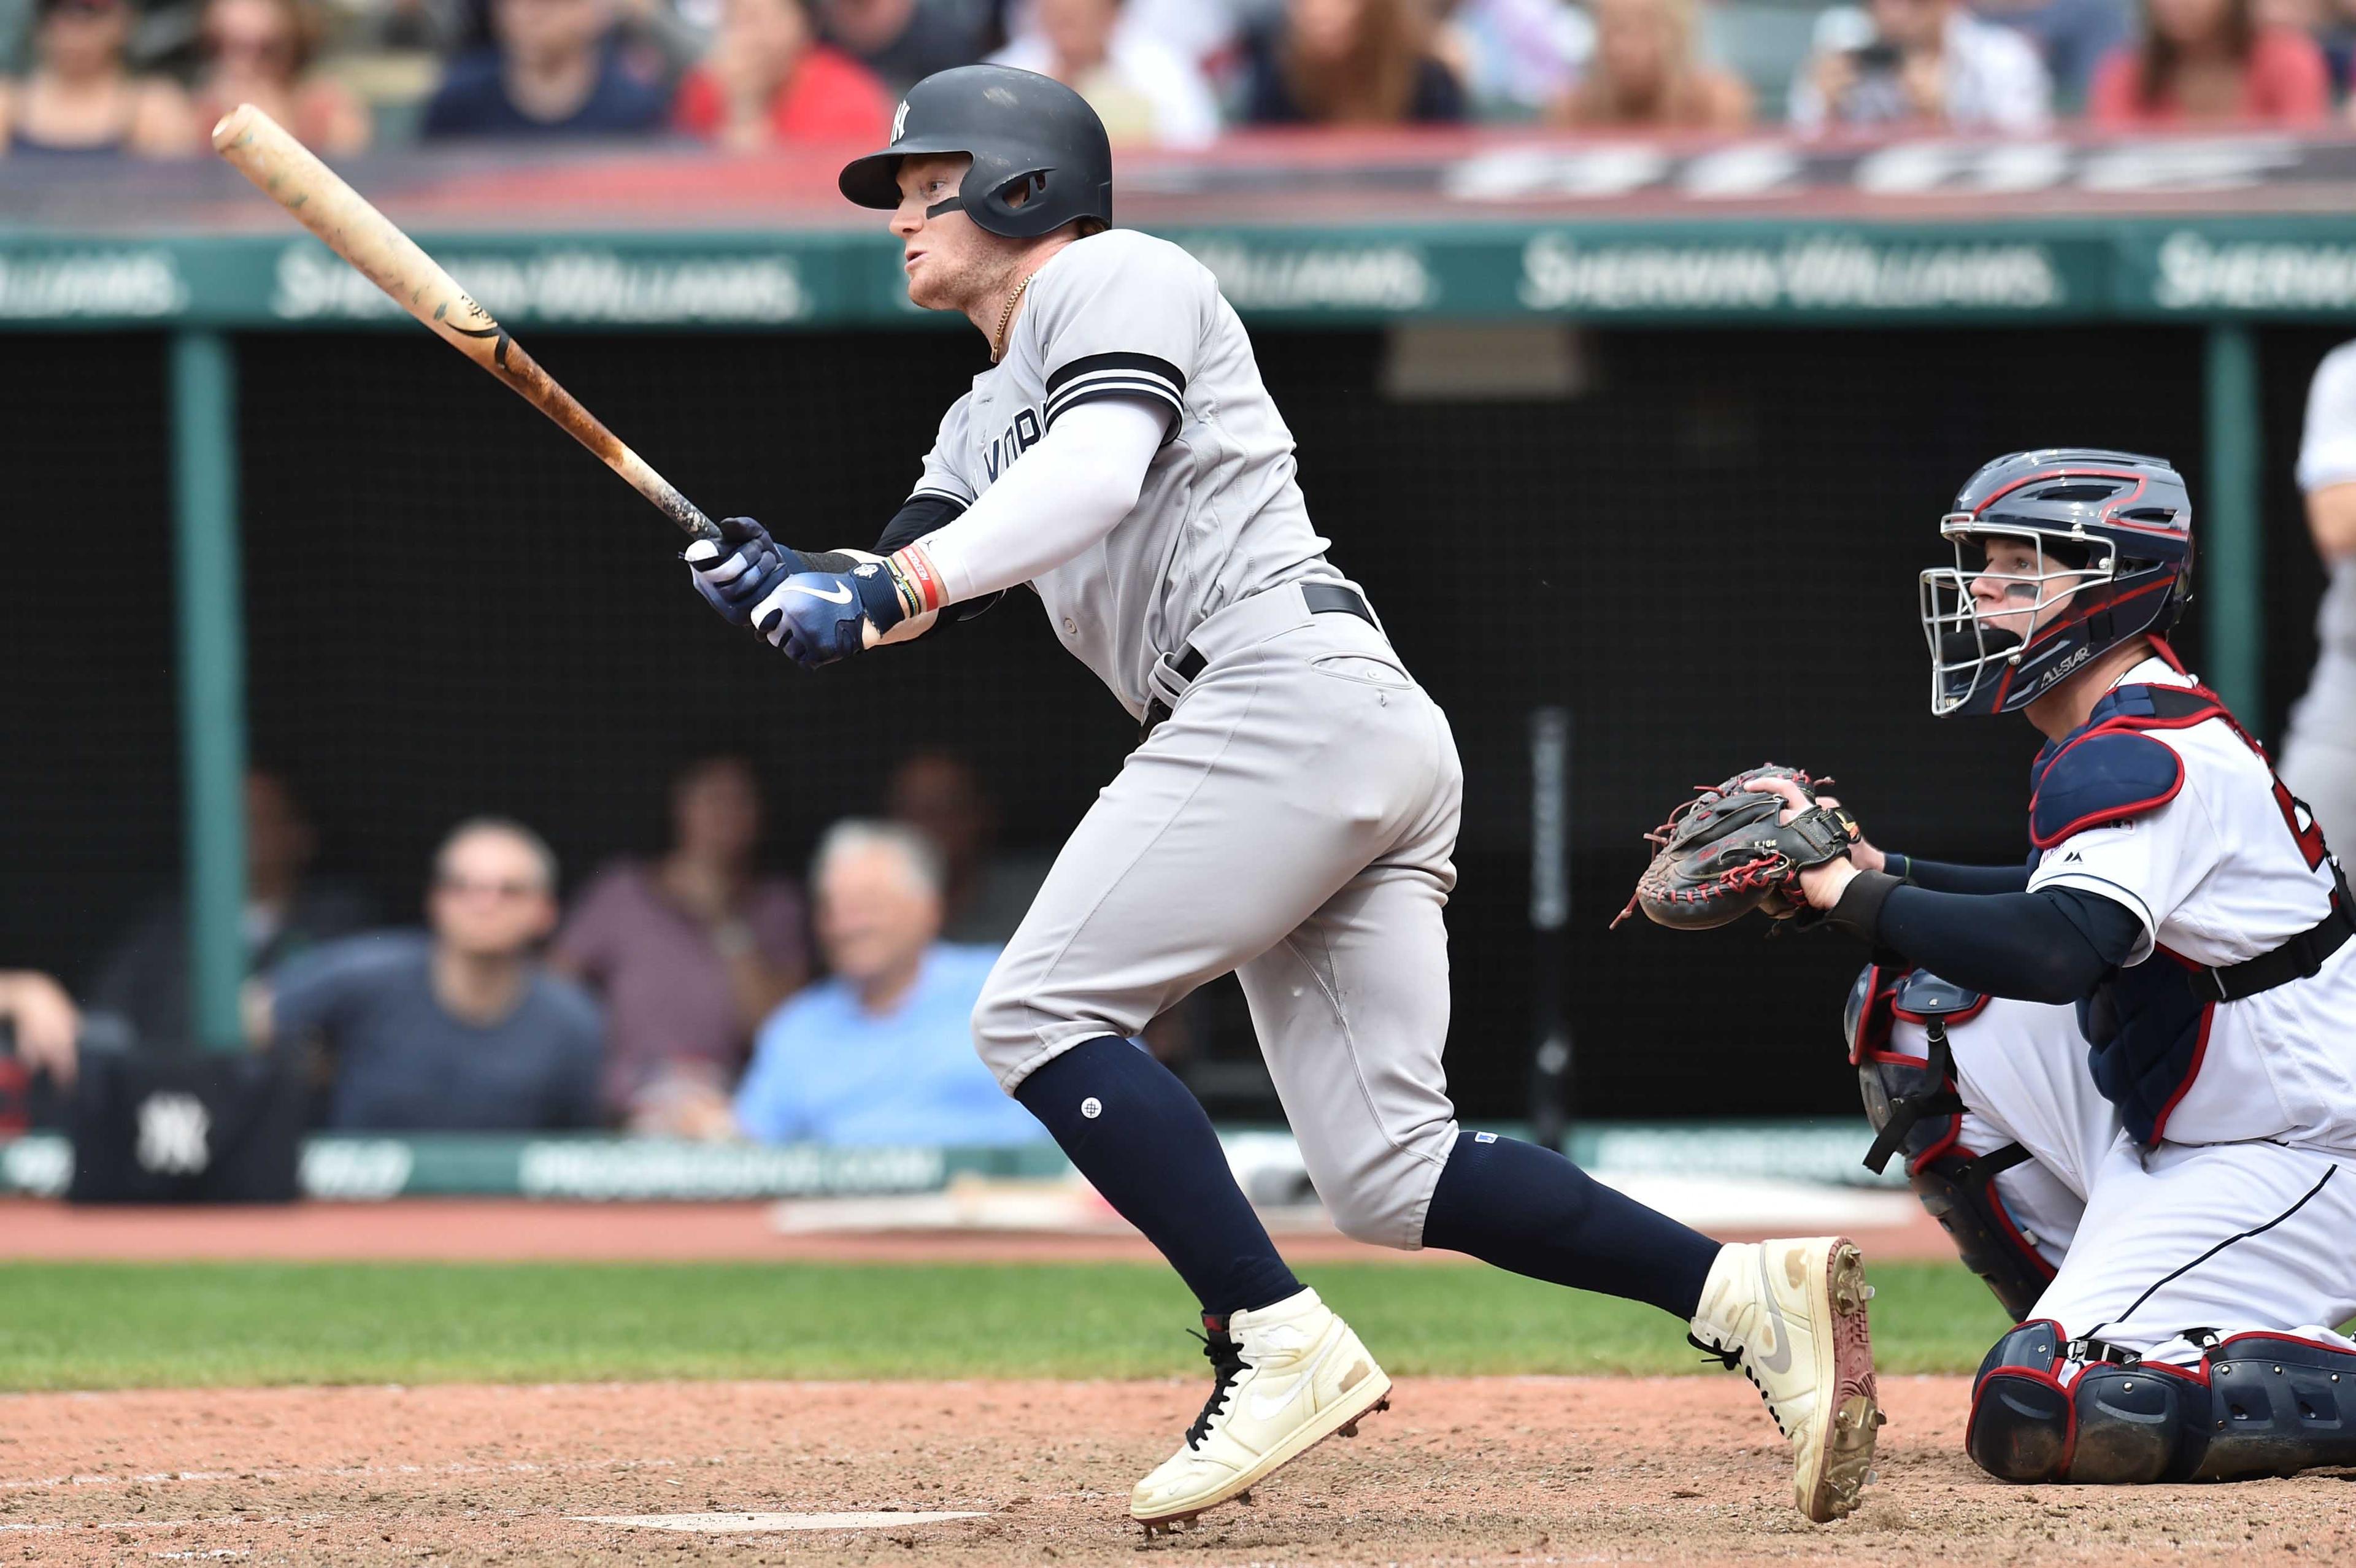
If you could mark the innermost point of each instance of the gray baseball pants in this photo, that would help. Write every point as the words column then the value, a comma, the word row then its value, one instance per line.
column 1291, row 821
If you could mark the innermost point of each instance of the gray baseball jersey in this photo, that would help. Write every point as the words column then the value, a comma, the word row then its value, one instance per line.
column 1292, row 820
column 1220, row 518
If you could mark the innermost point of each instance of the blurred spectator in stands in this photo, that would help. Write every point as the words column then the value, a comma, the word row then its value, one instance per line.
column 692, row 951
column 1201, row 32
column 904, row 41
column 1516, row 57
column 1146, row 93
column 40, row 1050
column 767, row 79
column 2072, row 37
column 81, row 99
column 43, row 1027
column 260, row 53
column 1919, row 64
column 2211, row 60
column 1348, row 62
column 2331, row 24
column 2319, row 748
column 556, row 69
column 985, row 893
column 1644, row 74
column 458, row 1030
column 145, row 981
column 881, row 1052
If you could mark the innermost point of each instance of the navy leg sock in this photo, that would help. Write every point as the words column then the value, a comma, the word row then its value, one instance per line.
column 1144, row 1143
column 1529, row 1209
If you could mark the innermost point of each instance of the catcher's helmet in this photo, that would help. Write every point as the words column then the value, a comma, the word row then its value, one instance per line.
column 1023, row 132
column 2113, row 533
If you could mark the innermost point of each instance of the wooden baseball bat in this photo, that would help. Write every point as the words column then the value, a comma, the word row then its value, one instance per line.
column 289, row 175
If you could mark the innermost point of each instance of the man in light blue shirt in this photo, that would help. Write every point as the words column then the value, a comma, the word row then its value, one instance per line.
column 881, row 1052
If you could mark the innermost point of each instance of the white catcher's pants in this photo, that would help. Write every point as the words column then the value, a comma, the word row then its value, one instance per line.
column 2232, row 1237
column 1291, row 821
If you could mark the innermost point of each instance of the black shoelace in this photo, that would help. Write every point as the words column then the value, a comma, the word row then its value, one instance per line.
column 1734, row 1361
column 1227, row 1366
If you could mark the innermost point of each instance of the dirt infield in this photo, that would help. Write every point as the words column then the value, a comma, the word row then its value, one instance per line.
column 437, row 1230
column 1479, row 1471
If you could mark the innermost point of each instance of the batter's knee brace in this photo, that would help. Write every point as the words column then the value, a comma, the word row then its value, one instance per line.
column 1914, row 1105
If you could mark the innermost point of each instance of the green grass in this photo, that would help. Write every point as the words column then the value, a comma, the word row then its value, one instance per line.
column 92, row 1326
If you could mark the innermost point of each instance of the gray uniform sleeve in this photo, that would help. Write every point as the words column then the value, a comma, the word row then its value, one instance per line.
column 942, row 479
column 1121, row 316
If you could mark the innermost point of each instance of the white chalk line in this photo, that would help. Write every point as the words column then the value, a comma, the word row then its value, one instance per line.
column 755, row 1523
column 347, row 1472
column 59, row 1527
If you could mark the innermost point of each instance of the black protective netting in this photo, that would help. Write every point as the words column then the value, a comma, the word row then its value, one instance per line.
column 90, row 822
column 1709, row 556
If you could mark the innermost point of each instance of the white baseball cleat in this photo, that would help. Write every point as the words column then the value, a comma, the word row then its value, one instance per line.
column 1791, row 1314
column 1289, row 1376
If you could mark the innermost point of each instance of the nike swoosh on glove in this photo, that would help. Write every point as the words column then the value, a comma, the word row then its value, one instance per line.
column 743, row 568
column 818, row 617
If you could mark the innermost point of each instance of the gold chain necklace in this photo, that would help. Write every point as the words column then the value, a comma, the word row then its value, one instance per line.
column 1005, row 319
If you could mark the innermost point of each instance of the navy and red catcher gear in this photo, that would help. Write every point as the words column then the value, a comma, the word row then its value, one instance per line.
column 2113, row 533
column 1029, row 135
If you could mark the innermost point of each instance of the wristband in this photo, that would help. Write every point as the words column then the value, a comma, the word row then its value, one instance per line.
column 917, row 581
column 1858, row 911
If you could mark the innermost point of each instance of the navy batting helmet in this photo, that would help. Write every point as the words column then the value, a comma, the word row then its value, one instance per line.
column 2112, row 536
column 1026, row 133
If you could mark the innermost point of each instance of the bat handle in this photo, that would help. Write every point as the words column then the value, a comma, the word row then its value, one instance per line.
column 665, row 496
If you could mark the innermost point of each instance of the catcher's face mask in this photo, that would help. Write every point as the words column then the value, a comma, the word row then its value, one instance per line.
column 1998, row 620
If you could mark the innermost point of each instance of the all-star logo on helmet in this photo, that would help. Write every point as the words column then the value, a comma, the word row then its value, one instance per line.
column 2111, row 534
column 1031, row 138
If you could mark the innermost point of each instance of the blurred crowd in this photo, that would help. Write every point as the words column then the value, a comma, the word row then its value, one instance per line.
column 99, row 78
column 685, row 994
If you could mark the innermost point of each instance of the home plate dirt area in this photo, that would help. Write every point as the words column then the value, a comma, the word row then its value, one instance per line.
column 1461, row 1471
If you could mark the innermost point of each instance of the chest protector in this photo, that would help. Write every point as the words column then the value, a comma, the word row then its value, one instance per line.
column 2146, row 1027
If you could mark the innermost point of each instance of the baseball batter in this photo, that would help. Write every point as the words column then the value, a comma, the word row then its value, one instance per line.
column 2124, row 1074
column 1288, row 816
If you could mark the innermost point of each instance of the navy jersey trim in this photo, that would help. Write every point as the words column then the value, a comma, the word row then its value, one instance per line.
column 1089, row 363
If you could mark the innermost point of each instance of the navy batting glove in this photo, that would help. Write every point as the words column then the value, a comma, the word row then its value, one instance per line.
column 741, row 569
column 818, row 617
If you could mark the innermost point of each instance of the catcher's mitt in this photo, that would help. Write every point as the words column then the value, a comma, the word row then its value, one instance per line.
column 1724, row 854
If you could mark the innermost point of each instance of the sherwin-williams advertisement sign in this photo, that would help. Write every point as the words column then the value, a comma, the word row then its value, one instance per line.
column 1748, row 268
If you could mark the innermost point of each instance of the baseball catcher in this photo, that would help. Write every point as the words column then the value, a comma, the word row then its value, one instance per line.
column 2122, row 1073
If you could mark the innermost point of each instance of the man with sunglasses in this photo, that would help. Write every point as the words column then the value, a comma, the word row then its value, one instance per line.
column 2124, row 1074
column 458, row 1029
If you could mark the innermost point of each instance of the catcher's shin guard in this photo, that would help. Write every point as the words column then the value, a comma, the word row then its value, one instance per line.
column 1914, row 1105
column 2278, row 1404
column 2259, row 1404
column 2115, row 1423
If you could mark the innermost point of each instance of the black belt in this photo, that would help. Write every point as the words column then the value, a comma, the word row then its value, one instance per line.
column 2297, row 959
column 1322, row 598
